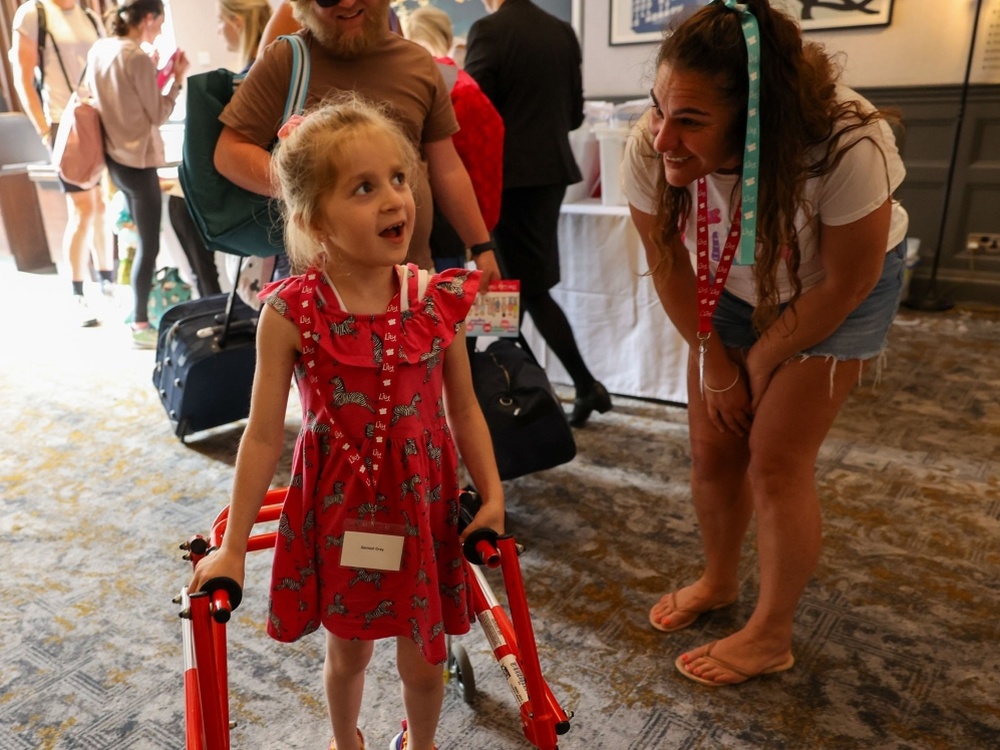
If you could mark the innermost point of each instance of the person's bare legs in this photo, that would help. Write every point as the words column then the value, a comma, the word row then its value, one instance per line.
column 722, row 502
column 423, row 694
column 788, row 429
column 84, row 229
column 99, row 240
column 81, row 216
column 344, row 679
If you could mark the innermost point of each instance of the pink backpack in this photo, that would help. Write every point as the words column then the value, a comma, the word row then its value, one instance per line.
column 78, row 153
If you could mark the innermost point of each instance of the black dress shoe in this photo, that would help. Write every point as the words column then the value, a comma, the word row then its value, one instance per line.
column 596, row 399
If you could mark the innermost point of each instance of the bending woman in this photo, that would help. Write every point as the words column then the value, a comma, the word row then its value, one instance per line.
column 776, row 353
column 122, row 79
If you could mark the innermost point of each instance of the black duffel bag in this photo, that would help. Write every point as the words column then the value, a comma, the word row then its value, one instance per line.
column 527, row 423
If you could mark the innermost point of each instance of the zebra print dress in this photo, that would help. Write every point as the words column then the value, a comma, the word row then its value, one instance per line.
column 340, row 378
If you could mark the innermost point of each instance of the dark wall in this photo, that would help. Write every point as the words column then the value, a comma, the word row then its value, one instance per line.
column 931, row 115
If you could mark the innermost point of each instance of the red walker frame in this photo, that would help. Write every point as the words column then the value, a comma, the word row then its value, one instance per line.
column 205, row 613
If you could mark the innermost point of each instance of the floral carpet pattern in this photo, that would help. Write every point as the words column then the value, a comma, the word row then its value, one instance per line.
column 897, row 641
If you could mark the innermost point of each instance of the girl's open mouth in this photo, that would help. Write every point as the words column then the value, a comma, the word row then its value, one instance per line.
column 394, row 232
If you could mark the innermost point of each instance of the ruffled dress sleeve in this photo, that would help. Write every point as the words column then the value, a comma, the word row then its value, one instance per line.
column 440, row 312
column 284, row 295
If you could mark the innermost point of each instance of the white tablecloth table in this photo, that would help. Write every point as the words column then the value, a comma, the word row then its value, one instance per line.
column 625, row 337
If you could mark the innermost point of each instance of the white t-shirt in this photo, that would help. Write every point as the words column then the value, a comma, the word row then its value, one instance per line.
column 73, row 32
column 856, row 187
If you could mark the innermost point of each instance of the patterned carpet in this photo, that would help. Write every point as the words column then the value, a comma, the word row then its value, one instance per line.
column 896, row 640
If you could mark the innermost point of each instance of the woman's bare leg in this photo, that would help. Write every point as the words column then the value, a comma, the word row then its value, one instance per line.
column 722, row 502
column 788, row 429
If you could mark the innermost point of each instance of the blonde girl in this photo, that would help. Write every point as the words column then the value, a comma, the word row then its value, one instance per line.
column 378, row 352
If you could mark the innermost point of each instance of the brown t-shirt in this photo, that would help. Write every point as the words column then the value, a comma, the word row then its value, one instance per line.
column 395, row 72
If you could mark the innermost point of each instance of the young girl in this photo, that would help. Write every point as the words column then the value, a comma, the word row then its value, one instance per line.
column 368, row 545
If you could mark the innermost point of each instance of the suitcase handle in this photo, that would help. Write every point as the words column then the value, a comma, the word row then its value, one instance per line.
column 238, row 327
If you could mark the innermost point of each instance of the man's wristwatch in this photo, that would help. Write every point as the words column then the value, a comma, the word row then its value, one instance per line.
column 481, row 247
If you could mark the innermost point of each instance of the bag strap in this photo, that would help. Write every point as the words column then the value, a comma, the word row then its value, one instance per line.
column 298, row 86
column 83, row 76
column 411, row 292
column 43, row 34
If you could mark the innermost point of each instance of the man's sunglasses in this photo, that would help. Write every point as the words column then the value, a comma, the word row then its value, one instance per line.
column 327, row 3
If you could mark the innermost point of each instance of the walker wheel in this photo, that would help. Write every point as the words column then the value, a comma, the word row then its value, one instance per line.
column 461, row 669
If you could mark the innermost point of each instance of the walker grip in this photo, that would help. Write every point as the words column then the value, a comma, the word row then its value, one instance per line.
column 225, row 595
column 480, row 548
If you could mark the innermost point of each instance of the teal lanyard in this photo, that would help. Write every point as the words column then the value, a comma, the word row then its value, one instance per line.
column 751, row 148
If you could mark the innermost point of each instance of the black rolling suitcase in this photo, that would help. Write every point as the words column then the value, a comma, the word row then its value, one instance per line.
column 205, row 359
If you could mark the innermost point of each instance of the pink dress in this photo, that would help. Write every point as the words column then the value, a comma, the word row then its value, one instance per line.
column 359, row 390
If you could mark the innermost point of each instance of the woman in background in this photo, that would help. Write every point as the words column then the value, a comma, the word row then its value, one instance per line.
column 70, row 32
column 282, row 22
column 479, row 143
column 242, row 24
column 122, row 79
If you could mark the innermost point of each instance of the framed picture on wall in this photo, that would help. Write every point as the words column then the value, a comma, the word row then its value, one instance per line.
column 824, row 15
column 643, row 21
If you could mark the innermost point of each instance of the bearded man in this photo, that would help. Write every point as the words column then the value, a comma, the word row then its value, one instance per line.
column 351, row 48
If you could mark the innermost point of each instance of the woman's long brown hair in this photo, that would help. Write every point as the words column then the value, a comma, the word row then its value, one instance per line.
column 799, row 113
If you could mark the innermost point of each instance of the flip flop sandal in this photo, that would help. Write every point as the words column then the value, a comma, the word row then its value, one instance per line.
column 682, row 668
column 657, row 621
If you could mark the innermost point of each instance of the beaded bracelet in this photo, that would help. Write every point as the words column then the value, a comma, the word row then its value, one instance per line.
column 727, row 388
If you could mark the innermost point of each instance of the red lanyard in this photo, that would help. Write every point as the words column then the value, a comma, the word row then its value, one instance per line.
column 391, row 356
column 709, row 290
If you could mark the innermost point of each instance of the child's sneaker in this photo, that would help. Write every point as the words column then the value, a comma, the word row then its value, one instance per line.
column 144, row 338
column 399, row 741
column 361, row 742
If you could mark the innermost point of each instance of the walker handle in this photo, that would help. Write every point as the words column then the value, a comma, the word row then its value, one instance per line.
column 480, row 548
column 226, row 596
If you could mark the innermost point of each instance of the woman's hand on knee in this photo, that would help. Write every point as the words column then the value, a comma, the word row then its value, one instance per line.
column 730, row 410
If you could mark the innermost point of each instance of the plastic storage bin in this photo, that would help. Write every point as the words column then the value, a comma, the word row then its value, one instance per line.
column 611, row 145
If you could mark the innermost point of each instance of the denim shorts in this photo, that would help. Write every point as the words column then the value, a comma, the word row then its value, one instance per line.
column 861, row 336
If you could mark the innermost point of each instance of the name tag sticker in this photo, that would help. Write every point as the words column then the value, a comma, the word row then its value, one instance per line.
column 364, row 549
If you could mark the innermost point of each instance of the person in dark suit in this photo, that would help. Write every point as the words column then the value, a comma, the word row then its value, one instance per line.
column 529, row 64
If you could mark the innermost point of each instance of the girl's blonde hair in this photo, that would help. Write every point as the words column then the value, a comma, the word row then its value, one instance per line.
column 429, row 27
column 255, row 15
column 306, row 164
